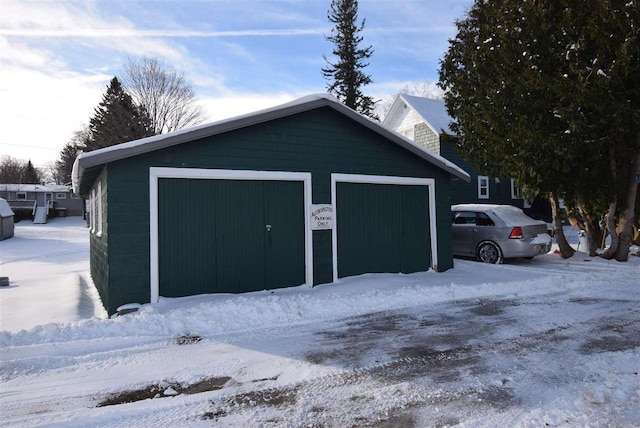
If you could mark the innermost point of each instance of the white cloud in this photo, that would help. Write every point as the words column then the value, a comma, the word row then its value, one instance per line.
column 49, row 88
column 40, row 111
column 115, row 32
column 39, row 22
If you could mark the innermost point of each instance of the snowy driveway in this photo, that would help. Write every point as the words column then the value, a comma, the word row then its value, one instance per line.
column 562, row 350
column 488, row 362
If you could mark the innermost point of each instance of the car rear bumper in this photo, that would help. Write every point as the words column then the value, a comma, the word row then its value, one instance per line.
column 526, row 247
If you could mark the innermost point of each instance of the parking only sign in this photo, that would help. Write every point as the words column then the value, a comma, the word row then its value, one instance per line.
column 321, row 216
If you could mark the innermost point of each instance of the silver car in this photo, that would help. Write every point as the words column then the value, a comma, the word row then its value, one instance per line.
column 492, row 233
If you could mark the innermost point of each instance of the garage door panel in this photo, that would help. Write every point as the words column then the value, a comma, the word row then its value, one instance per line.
column 240, row 236
column 382, row 228
column 285, row 255
column 182, row 224
column 213, row 236
column 416, row 240
column 369, row 228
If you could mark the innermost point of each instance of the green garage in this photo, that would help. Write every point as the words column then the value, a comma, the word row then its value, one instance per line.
column 301, row 194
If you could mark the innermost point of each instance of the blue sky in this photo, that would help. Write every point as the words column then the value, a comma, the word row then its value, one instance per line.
column 56, row 57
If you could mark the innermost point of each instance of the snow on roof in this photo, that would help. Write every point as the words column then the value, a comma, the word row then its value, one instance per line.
column 38, row 188
column 156, row 142
column 5, row 209
column 433, row 111
column 194, row 129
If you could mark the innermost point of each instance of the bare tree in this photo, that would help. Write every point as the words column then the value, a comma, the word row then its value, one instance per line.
column 11, row 170
column 166, row 95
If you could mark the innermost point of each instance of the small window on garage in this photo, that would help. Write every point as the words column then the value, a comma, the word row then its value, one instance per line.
column 61, row 196
column 484, row 220
column 99, row 209
column 21, row 196
column 464, row 217
column 92, row 210
column 483, row 187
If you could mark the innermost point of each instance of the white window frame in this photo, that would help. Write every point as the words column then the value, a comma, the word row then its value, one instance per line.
column 19, row 194
column 516, row 192
column 99, row 209
column 92, row 209
column 380, row 179
column 61, row 196
column 482, row 178
column 155, row 173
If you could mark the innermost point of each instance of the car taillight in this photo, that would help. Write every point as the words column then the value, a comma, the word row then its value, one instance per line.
column 516, row 233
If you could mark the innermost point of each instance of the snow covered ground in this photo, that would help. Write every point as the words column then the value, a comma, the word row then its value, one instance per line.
column 546, row 342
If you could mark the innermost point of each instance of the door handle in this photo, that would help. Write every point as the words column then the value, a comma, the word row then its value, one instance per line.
column 268, row 227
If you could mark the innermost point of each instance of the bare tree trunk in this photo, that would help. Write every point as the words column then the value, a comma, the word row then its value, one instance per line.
column 565, row 249
column 625, row 223
column 611, row 226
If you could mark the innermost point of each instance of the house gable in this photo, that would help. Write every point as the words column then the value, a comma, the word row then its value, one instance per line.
column 424, row 119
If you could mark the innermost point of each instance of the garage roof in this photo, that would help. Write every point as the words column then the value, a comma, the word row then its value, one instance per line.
column 84, row 168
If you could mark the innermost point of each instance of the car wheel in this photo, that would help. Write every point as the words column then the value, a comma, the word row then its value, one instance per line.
column 488, row 252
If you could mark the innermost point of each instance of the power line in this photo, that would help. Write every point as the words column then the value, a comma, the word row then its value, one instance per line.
column 29, row 146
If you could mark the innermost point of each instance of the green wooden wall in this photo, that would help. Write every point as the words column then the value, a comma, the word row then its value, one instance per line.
column 99, row 255
column 321, row 141
column 467, row 193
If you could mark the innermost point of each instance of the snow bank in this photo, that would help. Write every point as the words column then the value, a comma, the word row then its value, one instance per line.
column 211, row 315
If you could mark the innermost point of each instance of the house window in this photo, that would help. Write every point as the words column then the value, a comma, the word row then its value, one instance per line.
column 74, row 196
column 21, row 196
column 61, row 196
column 99, row 209
column 483, row 187
column 516, row 192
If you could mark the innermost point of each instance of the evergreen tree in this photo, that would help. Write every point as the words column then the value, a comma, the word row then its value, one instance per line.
column 540, row 93
column 30, row 174
column 117, row 120
column 345, row 77
column 63, row 167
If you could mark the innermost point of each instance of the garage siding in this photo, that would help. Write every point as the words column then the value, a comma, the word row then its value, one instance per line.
column 321, row 141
